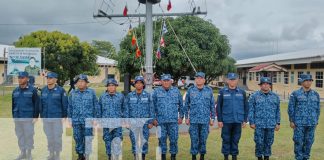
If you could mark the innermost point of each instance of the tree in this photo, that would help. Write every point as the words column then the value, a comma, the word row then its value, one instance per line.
column 105, row 49
column 64, row 54
column 207, row 48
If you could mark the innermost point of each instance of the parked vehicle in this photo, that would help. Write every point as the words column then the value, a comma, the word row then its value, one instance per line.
column 187, row 81
column 156, row 83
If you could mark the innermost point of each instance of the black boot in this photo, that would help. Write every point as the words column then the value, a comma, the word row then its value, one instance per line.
column 109, row 156
column 143, row 156
column 22, row 155
column 193, row 157
column 266, row 157
column 81, row 157
column 234, row 157
column 225, row 157
column 173, row 156
column 28, row 155
column 202, row 156
column 163, row 157
column 50, row 156
column 260, row 158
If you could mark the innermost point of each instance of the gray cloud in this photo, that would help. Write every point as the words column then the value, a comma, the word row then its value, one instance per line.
column 254, row 27
column 261, row 36
column 300, row 32
column 322, row 34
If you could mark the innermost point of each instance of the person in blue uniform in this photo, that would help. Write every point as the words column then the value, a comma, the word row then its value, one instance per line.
column 111, row 105
column 199, row 114
column 169, row 112
column 139, row 104
column 232, row 112
column 264, row 118
column 83, row 105
column 304, row 111
column 31, row 80
column 53, row 111
column 25, row 111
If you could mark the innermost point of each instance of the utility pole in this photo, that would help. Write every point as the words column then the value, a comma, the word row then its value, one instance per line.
column 149, row 32
column 5, row 67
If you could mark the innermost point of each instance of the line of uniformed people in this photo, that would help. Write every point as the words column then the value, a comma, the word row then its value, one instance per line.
column 166, row 110
column 262, row 111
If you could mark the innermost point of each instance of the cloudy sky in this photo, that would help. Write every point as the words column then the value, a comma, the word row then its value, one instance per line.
column 254, row 27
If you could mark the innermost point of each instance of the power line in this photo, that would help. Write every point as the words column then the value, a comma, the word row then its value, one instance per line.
column 51, row 24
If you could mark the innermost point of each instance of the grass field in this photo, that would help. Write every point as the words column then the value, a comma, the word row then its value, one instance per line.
column 282, row 147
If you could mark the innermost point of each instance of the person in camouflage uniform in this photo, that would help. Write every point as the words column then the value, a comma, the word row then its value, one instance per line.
column 304, row 111
column 139, row 104
column 83, row 104
column 112, row 106
column 199, row 114
column 264, row 118
column 168, row 108
column 32, row 69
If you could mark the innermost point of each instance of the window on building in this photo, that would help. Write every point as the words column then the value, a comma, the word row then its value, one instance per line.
column 300, row 66
column 298, row 75
column 279, row 77
column 288, row 66
column 257, row 76
column 250, row 76
column 292, row 77
column 274, row 78
column 319, row 79
column 319, row 65
column 286, row 77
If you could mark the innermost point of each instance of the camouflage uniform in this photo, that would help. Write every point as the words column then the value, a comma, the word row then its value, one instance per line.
column 140, row 106
column 304, row 111
column 167, row 104
column 82, row 105
column 35, row 71
column 264, row 113
column 200, row 109
column 111, row 106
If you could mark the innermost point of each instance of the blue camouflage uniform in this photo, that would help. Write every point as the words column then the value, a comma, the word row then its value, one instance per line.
column 304, row 111
column 82, row 105
column 168, row 104
column 264, row 113
column 232, row 110
column 25, row 107
column 139, row 106
column 53, row 107
column 200, row 109
column 111, row 106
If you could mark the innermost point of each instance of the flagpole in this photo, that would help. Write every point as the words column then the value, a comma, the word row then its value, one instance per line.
column 148, row 31
column 149, row 47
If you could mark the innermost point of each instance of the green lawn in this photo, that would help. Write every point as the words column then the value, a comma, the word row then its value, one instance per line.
column 282, row 147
